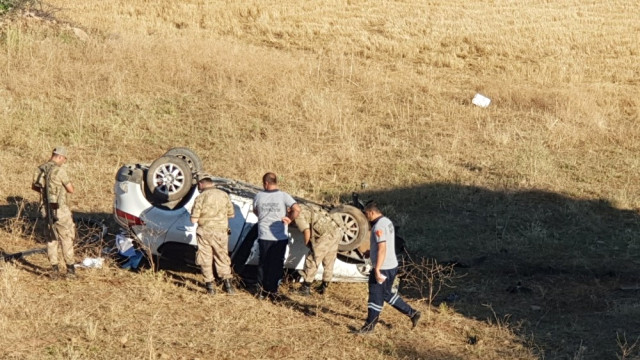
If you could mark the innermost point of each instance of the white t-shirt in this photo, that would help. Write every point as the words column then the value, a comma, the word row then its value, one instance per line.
column 382, row 230
column 272, row 207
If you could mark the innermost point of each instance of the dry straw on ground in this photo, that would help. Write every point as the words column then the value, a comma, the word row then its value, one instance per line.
column 539, row 187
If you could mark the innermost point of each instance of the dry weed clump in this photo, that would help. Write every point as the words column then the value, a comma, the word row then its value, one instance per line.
column 330, row 95
column 426, row 277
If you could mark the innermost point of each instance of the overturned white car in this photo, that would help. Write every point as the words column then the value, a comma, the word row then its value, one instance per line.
column 153, row 203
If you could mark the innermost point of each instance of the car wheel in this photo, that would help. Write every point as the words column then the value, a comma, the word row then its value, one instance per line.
column 190, row 157
column 169, row 178
column 354, row 225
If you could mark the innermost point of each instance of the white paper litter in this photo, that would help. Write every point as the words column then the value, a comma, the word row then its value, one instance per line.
column 481, row 100
column 92, row 263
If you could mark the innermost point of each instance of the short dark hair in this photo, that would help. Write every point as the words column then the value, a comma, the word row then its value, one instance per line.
column 371, row 206
column 270, row 178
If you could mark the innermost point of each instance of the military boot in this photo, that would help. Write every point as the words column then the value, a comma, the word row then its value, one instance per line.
column 71, row 271
column 210, row 289
column 228, row 287
column 323, row 288
column 305, row 289
column 55, row 272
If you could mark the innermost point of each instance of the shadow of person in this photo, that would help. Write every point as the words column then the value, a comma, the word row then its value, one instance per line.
column 30, row 267
column 185, row 282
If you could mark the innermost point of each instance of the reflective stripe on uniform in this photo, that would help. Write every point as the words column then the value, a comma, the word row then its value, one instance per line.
column 375, row 307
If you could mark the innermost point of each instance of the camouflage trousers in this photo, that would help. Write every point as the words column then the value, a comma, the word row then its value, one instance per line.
column 65, row 233
column 213, row 248
column 324, row 250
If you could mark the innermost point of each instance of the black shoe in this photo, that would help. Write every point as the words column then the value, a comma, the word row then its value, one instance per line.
column 323, row 288
column 228, row 287
column 415, row 319
column 305, row 289
column 210, row 289
column 365, row 330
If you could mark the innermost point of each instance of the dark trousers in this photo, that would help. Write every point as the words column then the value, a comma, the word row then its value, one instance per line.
column 379, row 293
column 271, row 264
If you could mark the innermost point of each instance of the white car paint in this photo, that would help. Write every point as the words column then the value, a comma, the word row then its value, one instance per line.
column 155, row 226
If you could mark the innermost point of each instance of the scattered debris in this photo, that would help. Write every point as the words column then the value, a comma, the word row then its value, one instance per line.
column 481, row 100
column 91, row 263
column 80, row 34
column 127, row 251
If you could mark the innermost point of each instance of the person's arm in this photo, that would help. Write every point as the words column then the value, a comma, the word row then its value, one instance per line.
column 255, row 207
column 65, row 180
column 304, row 226
column 196, row 209
column 292, row 214
column 69, row 187
column 307, row 236
column 230, row 210
column 36, row 182
column 382, row 252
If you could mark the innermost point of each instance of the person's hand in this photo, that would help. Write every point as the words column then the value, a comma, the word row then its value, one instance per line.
column 379, row 277
column 286, row 220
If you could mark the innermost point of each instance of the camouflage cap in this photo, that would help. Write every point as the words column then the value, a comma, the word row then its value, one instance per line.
column 60, row 150
column 203, row 175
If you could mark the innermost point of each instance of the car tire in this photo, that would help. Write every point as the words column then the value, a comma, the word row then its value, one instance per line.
column 169, row 178
column 189, row 156
column 354, row 225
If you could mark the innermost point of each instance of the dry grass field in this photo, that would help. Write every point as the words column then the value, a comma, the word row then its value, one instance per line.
column 534, row 197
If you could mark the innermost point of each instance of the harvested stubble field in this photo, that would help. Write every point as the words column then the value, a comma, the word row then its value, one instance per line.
column 534, row 197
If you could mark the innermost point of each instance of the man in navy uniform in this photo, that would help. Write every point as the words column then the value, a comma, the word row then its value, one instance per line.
column 385, row 269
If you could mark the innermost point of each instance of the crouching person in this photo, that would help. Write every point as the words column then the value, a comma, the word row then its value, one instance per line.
column 212, row 210
column 52, row 182
column 322, row 235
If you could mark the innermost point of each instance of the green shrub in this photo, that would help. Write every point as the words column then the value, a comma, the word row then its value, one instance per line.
column 6, row 5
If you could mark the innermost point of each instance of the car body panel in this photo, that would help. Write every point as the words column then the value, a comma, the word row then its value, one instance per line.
column 155, row 226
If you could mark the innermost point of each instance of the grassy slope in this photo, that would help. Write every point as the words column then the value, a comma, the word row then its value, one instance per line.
column 540, row 186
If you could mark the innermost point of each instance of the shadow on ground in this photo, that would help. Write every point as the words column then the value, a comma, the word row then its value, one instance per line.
column 563, row 273
column 560, row 271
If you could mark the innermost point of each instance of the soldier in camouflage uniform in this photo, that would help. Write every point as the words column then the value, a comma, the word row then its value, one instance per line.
column 212, row 210
column 52, row 182
column 322, row 234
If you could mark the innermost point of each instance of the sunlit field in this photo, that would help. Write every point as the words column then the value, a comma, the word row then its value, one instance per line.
column 534, row 198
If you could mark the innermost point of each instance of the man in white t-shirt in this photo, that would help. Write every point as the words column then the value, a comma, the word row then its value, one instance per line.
column 275, row 210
